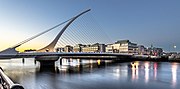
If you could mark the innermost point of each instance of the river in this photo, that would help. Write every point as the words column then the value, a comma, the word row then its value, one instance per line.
column 127, row 75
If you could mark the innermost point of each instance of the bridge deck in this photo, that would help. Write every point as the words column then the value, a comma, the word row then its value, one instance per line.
column 35, row 54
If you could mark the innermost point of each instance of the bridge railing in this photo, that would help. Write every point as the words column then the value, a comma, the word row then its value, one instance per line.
column 7, row 83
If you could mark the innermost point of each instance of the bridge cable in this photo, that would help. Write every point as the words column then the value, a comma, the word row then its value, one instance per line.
column 80, row 34
column 71, row 34
column 31, row 38
column 87, row 31
column 83, row 31
column 101, row 29
column 76, row 36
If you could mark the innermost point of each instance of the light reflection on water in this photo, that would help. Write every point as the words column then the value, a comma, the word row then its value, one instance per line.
column 135, row 71
column 93, row 75
column 146, row 65
column 155, row 70
column 174, row 73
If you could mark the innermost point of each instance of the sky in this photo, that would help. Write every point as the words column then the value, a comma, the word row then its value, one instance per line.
column 145, row 22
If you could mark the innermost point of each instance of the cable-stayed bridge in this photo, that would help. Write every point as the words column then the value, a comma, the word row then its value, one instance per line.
column 47, row 56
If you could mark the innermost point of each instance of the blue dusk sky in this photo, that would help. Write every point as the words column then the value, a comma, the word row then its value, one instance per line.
column 144, row 22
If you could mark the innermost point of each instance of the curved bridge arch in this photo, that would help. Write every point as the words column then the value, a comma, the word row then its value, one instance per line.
column 50, row 47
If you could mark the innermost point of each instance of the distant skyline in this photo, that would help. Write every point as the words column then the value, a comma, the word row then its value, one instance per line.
column 145, row 22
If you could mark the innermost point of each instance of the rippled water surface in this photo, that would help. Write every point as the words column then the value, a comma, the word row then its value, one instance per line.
column 93, row 75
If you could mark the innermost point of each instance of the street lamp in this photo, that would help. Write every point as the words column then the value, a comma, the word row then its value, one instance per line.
column 175, row 47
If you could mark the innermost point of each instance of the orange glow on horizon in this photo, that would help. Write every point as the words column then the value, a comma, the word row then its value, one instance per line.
column 23, row 47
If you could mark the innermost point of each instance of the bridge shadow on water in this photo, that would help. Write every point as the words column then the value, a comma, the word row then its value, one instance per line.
column 78, row 67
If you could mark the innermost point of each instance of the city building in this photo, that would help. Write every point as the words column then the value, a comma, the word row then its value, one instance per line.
column 154, row 51
column 78, row 48
column 89, row 48
column 141, row 50
column 157, row 51
column 109, row 48
column 102, row 47
column 68, row 48
column 94, row 48
column 122, row 46
column 60, row 49
column 125, row 46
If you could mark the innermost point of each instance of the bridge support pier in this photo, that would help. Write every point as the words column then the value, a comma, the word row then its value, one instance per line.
column 47, row 63
column 80, row 65
column 23, row 60
column 60, row 61
column 35, row 62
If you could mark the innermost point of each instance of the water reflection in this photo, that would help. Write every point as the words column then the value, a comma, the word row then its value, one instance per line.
column 145, row 69
column 147, row 66
column 155, row 70
column 135, row 72
column 99, row 62
column 86, row 74
column 174, row 73
column 80, row 65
